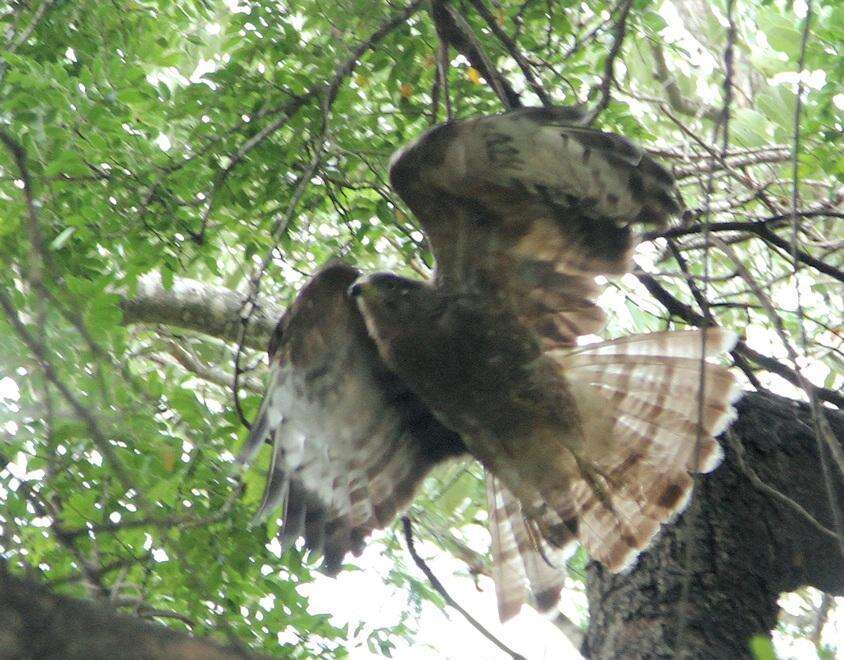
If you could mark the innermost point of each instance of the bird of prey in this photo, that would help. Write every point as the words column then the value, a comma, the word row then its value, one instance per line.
column 377, row 378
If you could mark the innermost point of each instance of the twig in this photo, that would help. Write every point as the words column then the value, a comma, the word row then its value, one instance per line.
column 678, row 308
column 678, row 101
column 737, row 226
column 608, row 78
column 191, row 362
column 761, row 228
column 761, row 486
column 823, row 434
column 453, row 29
column 514, row 51
column 772, row 155
column 407, row 526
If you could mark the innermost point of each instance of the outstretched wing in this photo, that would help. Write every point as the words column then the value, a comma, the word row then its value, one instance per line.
column 351, row 443
column 529, row 206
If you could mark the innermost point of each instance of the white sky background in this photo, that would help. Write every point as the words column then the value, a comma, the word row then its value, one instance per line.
column 362, row 596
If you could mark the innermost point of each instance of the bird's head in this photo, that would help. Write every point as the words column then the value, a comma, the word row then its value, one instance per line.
column 386, row 299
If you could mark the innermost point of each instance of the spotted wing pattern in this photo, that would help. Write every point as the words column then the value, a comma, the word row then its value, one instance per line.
column 351, row 443
column 528, row 206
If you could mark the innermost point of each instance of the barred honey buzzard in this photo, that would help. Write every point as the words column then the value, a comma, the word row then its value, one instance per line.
column 377, row 378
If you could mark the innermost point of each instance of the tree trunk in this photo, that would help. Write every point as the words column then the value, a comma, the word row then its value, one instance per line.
column 744, row 547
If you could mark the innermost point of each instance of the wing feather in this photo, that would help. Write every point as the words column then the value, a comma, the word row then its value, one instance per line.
column 351, row 443
column 529, row 206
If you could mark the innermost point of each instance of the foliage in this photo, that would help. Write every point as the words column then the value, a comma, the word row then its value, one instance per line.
column 174, row 137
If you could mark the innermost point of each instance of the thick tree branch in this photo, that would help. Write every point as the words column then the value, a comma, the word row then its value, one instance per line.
column 453, row 29
column 194, row 305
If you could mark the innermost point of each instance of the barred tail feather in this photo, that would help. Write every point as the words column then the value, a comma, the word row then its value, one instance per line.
column 646, row 438
column 524, row 567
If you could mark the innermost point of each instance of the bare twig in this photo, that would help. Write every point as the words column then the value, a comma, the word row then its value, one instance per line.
column 608, row 77
column 453, row 29
column 761, row 228
column 514, row 51
column 761, row 486
column 678, row 308
column 191, row 362
column 407, row 526
column 706, row 165
column 678, row 101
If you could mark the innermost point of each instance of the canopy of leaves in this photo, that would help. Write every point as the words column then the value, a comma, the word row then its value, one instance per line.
column 242, row 143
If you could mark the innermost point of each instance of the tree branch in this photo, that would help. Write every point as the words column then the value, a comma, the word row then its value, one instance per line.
column 194, row 305
column 192, row 363
column 438, row 586
column 672, row 91
column 453, row 29
column 608, row 78
column 678, row 308
column 514, row 51
column 40, row 624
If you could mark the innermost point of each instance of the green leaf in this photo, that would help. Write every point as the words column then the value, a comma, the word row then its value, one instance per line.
column 762, row 648
column 69, row 163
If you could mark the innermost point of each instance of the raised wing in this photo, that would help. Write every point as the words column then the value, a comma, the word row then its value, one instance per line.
column 531, row 206
column 351, row 443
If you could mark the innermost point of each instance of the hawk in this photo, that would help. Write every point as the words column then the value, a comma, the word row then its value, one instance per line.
column 377, row 378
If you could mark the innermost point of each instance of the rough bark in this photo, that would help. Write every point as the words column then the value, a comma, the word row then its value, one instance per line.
column 745, row 549
column 35, row 623
column 194, row 305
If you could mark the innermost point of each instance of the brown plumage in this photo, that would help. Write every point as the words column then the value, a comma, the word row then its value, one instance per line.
column 375, row 379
